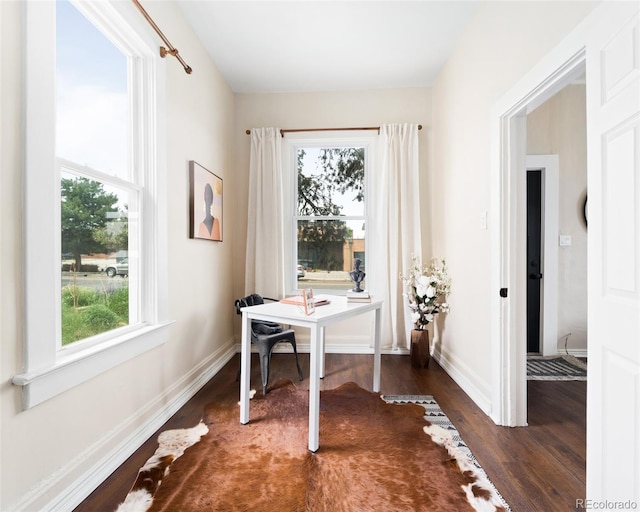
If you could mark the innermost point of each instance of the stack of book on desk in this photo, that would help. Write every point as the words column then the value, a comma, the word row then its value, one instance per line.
column 298, row 300
column 362, row 296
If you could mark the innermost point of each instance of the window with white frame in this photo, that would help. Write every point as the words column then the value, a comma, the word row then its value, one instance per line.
column 329, row 223
column 95, row 229
column 99, row 179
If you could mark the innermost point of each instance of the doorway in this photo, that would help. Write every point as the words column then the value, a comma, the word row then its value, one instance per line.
column 550, row 199
column 510, row 387
column 557, row 261
column 544, row 300
column 534, row 258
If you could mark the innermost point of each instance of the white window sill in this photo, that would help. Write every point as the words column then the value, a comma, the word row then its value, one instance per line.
column 73, row 369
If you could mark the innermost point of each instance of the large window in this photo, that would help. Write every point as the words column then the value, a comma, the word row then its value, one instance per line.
column 99, row 186
column 330, row 220
column 95, row 227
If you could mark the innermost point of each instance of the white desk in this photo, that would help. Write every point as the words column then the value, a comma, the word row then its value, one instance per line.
column 336, row 311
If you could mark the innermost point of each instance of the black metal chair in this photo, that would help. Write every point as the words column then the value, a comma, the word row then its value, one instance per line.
column 265, row 335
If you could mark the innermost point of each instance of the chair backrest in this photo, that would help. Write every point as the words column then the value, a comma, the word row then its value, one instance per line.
column 257, row 326
column 250, row 300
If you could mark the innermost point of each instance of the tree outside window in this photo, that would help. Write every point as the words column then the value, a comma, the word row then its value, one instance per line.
column 330, row 217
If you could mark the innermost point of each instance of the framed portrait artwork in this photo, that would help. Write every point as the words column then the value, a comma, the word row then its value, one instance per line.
column 205, row 203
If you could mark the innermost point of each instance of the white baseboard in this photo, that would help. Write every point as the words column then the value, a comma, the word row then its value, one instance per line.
column 156, row 414
column 305, row 348
column 465, row 378
column 575, row 352
column 355, row 345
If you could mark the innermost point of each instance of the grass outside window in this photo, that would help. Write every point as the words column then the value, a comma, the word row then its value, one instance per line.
column 87, row 312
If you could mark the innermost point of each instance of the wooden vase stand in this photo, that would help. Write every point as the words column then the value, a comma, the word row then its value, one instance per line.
column 420, row 348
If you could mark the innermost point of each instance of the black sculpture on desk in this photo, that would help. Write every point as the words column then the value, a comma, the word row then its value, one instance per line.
column 357, row 275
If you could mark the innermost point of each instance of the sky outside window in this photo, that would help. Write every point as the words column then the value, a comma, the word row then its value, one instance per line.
column 92, row 104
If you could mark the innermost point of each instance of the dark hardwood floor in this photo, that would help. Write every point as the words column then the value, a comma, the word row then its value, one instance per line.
column 535, row 468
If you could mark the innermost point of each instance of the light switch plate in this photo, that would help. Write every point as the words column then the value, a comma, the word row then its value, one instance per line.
column 483, row 220
column 565, row 240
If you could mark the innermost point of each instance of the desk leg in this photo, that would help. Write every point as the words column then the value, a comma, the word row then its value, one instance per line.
column 376, row 351
column 245, row 368
column 314, row 388
column 322, row 352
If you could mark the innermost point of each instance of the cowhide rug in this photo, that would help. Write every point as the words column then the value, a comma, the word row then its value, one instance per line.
column 374, row 456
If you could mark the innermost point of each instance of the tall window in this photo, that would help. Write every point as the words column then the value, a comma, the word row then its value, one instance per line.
column 330, row 220
column 95, row 193
column 98, row 186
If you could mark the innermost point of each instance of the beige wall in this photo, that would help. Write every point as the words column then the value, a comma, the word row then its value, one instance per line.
column 559, row 127
column 502, row 42
column 325, row 110
column 48, row 447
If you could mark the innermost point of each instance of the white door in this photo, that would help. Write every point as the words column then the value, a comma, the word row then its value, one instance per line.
column 613, row 117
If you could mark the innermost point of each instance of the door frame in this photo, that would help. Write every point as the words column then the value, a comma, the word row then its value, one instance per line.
column 560, row 67
column 549, row 165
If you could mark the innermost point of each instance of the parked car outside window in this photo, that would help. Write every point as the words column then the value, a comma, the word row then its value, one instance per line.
column 119, row 269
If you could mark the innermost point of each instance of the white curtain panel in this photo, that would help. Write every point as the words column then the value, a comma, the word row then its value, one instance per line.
column 395, row 211
column 264, row 269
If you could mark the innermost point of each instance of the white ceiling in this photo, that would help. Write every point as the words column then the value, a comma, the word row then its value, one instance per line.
column 324, row 45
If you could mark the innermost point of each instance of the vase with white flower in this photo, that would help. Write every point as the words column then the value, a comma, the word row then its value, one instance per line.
column 427, row 287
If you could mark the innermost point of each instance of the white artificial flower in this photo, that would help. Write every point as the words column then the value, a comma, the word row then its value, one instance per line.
column 422, row 281
column 427, row 285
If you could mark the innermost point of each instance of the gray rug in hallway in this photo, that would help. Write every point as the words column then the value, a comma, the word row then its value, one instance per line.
column 555, row 368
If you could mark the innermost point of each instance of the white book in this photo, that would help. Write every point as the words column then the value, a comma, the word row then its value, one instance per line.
column 359, row 299
column 362, row 294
